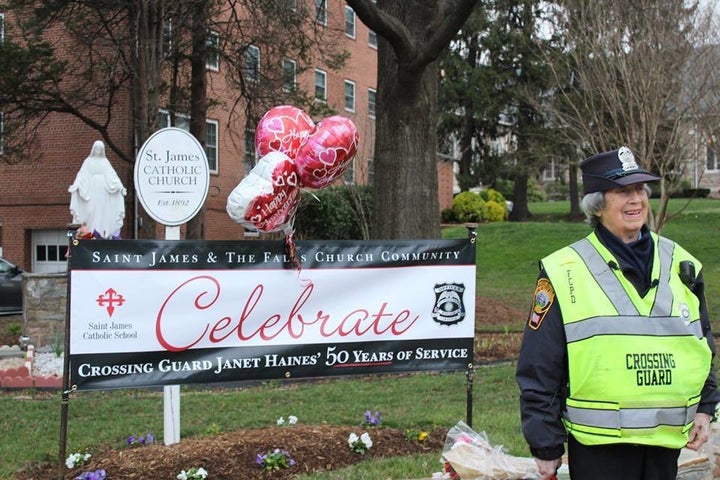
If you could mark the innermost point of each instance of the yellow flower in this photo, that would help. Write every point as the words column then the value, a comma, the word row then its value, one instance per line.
column 422, row 436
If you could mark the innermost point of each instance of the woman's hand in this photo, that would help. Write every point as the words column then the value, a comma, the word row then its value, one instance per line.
column 700, row 432
column 547, row 468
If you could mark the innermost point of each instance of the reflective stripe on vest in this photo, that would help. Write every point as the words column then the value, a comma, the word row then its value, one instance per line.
column 663, row 299
column 605, row 276
column 635, row 325
column 614, row 418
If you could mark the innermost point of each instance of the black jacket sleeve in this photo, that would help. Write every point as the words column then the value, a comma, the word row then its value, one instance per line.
column 542, row 377
column 709, row 396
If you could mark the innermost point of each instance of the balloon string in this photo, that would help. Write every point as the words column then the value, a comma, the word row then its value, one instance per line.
column 291, row 251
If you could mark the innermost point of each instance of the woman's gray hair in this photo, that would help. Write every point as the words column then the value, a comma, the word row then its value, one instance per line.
column 593, row 202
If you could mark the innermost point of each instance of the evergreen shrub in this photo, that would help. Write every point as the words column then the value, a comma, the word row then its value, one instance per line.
column 468, row 207
column 494, row 211
column 492, row 195
column 334, row 213
column 535, row 191
column 448, row 216
column 696, row 192
column 487, row 206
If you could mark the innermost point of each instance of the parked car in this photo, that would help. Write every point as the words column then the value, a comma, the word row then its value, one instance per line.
column 11, row 297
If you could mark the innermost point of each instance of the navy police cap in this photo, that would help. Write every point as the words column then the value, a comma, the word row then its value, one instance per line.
column 613, row 169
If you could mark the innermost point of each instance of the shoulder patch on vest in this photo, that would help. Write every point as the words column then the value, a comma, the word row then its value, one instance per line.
column 543, row 299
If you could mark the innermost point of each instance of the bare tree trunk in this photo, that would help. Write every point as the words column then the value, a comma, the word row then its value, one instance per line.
column 412, row 36
column 520, row 211
column 405, row 195
column 465, row 176
column 198, row 97
column 147, row 57
column 574, row 191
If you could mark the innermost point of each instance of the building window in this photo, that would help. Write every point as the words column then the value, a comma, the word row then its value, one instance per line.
column 371, row 102
column 2, row 27
column 349, row 22
column 320, row 85
column 289, row 75
column 349, row 96
column 370, row 171
column 211, row 144
column 167, row 40
column 549, row 173
column 180, row 121
column 252, row 63
column 211, row 132
column 372, row 39
column 250, row 154
column 711, row 159
column 321, row 11
column 213, row 51
column 48, row 251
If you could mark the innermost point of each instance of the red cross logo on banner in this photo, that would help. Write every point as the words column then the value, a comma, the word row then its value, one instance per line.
column 110, row 298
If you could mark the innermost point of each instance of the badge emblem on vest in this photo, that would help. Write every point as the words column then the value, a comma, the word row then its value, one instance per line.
column 449, row 308
column 544, row 297
column 684, row 312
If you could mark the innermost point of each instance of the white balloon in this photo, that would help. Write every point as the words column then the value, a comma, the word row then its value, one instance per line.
column 267, row 198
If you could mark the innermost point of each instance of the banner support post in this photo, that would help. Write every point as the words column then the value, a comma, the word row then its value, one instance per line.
column 171, row 393
column 65, row 392
column 469, row 397
column 469, row 374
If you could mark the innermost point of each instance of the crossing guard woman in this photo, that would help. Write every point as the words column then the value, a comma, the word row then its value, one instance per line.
column 617, row 351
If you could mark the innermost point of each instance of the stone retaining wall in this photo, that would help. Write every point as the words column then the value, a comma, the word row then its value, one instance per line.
column 44, row 308
column 43, row 320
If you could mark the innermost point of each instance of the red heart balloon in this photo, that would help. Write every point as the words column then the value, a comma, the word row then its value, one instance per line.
column 267, row 198
column 282, row 129
column 327, row 152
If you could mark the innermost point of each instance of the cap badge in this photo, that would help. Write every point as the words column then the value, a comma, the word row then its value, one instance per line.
column 627, row 159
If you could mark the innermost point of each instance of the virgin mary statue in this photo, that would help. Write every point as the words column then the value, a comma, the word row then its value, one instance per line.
column 97, row 195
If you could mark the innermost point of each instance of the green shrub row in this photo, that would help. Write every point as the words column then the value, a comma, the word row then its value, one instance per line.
column 345, row 212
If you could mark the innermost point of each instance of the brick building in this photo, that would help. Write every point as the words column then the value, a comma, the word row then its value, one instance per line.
column 34, row 198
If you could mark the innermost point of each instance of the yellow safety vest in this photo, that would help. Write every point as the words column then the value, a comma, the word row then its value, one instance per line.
column 636, row 364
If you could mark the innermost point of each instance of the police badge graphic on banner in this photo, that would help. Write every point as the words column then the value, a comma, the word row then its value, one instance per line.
column 449, row 307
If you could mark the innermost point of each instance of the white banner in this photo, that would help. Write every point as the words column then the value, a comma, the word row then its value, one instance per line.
column 137, row 306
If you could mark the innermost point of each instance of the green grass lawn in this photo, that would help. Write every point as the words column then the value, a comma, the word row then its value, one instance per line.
column 420, row 401
column 507, row 256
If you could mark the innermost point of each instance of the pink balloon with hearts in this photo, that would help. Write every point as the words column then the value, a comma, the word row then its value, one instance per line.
column 267, row 198
column 282, row 129
column 327, row 152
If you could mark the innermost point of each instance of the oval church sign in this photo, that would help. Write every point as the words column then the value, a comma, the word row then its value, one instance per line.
column 172, row 176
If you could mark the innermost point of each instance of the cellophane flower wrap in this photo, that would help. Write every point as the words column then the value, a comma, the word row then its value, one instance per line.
column 473, row 457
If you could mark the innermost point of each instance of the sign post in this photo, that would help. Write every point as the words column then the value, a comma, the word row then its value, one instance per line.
column 172, row 178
